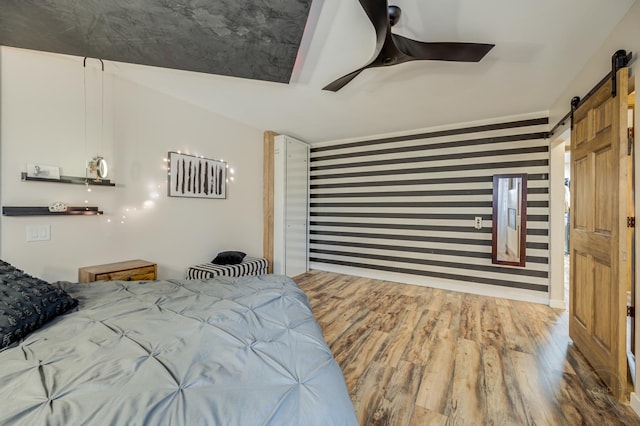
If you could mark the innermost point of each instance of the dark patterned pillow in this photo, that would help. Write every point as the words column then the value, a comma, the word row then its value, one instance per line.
column 27, row 303
column 228, row 258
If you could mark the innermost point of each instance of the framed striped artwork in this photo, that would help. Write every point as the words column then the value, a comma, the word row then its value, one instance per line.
column 196, row 177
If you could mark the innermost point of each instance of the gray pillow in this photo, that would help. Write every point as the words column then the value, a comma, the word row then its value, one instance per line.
column 27, row 303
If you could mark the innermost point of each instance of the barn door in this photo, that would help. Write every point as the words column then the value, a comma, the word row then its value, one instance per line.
column 599, row 255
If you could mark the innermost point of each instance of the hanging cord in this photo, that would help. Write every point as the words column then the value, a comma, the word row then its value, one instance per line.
column 102, row 109
column 84, row 95
column 84, row 81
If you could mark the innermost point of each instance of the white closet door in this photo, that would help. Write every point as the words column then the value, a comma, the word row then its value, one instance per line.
column 291, row 203
column 297, row 187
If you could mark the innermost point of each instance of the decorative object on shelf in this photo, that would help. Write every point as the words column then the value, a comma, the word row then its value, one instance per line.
column 43, row 171
column 77, row 180
column 196, row 177
column 97, row 166
column 44, row 211
column 57, row 207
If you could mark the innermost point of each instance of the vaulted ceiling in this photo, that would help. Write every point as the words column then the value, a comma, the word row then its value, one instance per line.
column 264, row 63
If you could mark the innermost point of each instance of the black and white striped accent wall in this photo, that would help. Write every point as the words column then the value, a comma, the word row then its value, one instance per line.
column 403, row 207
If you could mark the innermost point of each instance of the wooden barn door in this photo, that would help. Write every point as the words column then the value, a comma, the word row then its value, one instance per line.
column 598, row 253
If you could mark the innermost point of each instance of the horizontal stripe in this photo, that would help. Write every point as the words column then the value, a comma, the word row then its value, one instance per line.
column 428, row 250
column 426, row 159
column 406, row 193
column 532, row 198
column 449, row 276
column 424, row 204
column 444, row 225
column 440, row 269
column 435, row 193
column 439, row 263
column 427, row 135
column 469, row 241
column 485, row 229
column 420, row 148
column 432, row 146
column 409, row 182
column 420, row 244
column 400, row 226
column 463, row 204
column 390, row 215
column 457, row 167
column 449, row 240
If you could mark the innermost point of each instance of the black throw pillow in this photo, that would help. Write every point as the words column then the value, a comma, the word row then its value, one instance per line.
column 27, row 303
column 228, row 258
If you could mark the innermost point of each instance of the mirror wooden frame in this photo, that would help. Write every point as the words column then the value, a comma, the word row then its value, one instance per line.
column 523, row 220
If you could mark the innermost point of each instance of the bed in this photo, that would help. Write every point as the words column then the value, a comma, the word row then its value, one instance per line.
column 223, row 351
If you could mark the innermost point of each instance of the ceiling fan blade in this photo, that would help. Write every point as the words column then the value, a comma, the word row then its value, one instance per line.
column 378, row 14
column 343, row 81
column 459, row 52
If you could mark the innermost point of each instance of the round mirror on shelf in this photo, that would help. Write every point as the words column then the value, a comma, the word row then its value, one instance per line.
column 102, row 168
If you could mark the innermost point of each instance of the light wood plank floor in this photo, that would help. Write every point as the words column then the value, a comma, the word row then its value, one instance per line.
column 413, row 355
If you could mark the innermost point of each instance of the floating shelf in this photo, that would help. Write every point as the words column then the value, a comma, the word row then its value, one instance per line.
column 77, row 180
column 44, row 211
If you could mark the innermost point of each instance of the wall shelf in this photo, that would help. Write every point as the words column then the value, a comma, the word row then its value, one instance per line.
column 77, row 180
column 44, row 211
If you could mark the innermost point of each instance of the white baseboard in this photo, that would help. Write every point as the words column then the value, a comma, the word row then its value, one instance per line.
column 635, row 402
column 464, row 287
column 557, row 304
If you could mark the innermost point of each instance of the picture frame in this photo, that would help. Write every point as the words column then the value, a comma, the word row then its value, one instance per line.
column 43, row 171
column 193, row 176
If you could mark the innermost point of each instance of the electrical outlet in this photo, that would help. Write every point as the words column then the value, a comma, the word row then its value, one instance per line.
column 478, row 223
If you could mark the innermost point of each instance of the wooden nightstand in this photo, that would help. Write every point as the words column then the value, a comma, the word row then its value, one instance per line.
column 131, row 270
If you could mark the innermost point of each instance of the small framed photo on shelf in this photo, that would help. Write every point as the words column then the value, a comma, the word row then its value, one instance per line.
column 43, row 171
column 196, row 177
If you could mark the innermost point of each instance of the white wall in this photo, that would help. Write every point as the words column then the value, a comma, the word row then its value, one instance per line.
column 43, row 121
column 626, row 35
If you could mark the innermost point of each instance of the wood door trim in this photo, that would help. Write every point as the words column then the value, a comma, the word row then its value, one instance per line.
column 267, row 197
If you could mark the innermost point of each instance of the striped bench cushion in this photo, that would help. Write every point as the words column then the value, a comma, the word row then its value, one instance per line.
column 249, row 266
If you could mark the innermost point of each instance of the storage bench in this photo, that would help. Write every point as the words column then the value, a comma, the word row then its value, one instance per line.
column 248, row 266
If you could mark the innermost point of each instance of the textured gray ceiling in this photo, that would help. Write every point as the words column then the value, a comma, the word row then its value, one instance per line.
column 240, row 38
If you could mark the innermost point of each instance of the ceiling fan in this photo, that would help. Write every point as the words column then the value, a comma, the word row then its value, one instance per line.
column 392, row 49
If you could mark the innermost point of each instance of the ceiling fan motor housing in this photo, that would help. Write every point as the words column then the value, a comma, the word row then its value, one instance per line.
column 394, row 14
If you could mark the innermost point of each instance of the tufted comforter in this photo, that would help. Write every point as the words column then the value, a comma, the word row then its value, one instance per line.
column 226, row 351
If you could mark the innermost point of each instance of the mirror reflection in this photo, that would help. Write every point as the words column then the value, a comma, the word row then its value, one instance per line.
column 509, row 219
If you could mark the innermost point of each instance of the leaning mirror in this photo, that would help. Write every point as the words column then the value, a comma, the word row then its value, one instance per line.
column 509, row 219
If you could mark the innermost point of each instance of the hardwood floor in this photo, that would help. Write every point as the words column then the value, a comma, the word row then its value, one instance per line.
column 413, row 355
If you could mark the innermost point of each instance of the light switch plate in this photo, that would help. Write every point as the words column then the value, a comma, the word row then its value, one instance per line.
column 38, row 232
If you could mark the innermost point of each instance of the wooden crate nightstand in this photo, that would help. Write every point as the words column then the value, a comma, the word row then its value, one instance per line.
column 131, row 270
